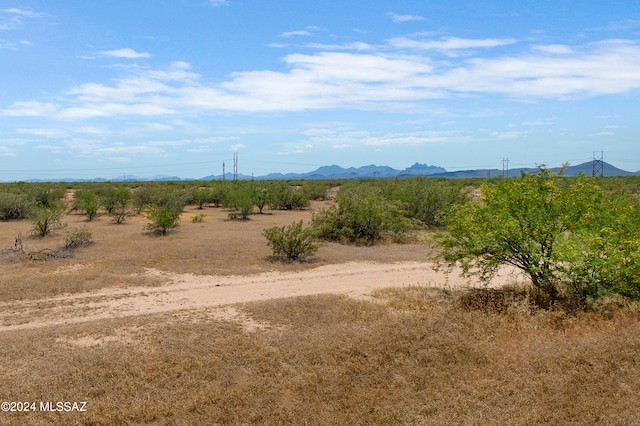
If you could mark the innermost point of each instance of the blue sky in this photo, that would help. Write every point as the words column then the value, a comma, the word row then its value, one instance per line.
column 147, row 87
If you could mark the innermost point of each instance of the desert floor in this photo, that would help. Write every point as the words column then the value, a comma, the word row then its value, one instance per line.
column 201, row 265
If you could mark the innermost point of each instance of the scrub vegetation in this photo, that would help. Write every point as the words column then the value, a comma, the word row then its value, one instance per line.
column 560, row 349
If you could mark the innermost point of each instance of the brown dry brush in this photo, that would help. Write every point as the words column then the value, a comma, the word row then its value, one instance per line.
column 419, row 356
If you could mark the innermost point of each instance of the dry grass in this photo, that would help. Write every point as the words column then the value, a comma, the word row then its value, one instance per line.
column 419, row 356
column 121, row 253
column 413, row 355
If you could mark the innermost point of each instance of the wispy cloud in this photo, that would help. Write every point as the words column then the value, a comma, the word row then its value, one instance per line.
column 218, row 3
column 404, row 18
column 136, row 149
column 21, row 12
column 417, row 138
column 13, row 18
column 620, row 25
column 450, row 43
column 508, row 135
column 52, row 133
column 383, row 78
column 557, row 49
column 357, row 46
column 127, row 53
column 296, row 33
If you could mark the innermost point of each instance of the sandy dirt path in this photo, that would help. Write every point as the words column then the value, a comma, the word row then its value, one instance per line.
column 188, row 291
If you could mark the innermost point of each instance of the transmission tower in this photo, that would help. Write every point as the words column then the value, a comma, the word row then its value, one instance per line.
column 598, row 165
column 505, row 167
column 235, row 166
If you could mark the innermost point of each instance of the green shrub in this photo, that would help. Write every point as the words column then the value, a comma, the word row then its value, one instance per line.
column 117, row 202
column 201, row 196
column 240, row 200
column 15, row 206
column 89, row 202
column 573, row 241
column 47, row 194
column 363, row 216
column 198, row 218
column 287, row 197
column 163, row 219
column 292, row 242
column 78, row 237
column 45, row 220
column 429, row 200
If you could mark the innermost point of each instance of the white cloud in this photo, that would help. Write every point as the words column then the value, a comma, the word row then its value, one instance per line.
column 127, row 53
column 557, row 49
column 136, row 149
column 604, row 133
column 416, row 138
column 541, row 122
column 318, row 132
column 295, row 33
column 404, row 18
column 218, row 3
column 21, row 12
column 215, row 139
column 381, row 79
column 237, row 147
column 508, row 135
column 15, row 18
column 30, row 109
column 449, row 43
column 621, row 25
column 358, row 46
column 174, row 143
column 6, row 152
column 52, row 133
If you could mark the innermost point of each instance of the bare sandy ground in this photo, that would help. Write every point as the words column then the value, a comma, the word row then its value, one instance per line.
column 189, row 292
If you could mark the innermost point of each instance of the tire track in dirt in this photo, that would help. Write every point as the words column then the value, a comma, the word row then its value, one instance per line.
column 189, row 291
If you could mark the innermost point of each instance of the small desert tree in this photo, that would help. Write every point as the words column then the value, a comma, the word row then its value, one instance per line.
column 293, row 242
column 89, row 202
column 201, row 196
column 163, row 219
column 239, row 199
column 565, row 236
column 45, row 220
column 117, row 202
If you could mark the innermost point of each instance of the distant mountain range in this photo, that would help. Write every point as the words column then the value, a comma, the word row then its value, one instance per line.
column 364, row 172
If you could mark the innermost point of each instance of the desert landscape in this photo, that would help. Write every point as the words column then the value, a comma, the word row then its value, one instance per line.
column 205, row 326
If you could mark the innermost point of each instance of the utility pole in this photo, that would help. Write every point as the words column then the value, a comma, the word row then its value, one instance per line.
column 598, row 165
column 505, row 167
column 223, row 172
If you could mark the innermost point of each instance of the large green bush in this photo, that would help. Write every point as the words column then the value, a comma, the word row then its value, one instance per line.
column 429, row 200
column 573, row 241
column 45, row 220
column 240, row 200
column 363, row 216
column 293, row 242
column 117, row 202
column 163, row 219
column 15, row 206
column 89, row 202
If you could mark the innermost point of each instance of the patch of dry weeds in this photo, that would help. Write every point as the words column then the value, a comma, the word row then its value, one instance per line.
column 419, row 355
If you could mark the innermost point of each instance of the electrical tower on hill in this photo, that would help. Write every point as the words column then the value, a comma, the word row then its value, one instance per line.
column 598, row 165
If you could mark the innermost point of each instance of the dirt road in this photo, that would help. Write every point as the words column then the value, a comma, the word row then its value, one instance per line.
column 188, row 291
